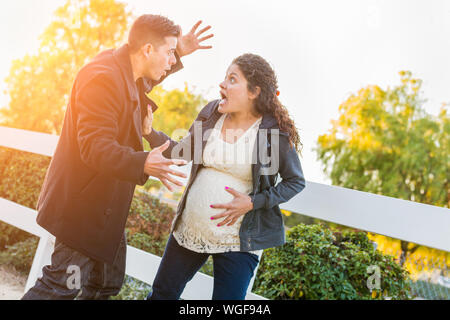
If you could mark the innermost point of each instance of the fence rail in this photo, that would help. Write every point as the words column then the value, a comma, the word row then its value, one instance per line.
column 406, row 220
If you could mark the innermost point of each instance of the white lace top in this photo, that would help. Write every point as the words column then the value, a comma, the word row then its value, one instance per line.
column 224, row 165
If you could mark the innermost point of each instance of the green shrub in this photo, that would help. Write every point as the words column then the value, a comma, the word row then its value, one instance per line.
column 317, row 263
column 20, row 255
column 148, row 224
column 21, row 178
column 132, row 289
column 10, row 235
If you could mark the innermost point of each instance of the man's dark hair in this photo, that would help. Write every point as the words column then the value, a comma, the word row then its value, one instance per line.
column 150, row 28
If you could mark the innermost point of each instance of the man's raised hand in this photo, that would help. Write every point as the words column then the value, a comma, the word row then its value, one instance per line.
column 158, row 166
column 190, row 42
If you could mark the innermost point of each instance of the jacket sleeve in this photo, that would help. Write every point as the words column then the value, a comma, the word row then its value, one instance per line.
column 292, row 182
column 176, row 150
column 185, row 148
column 98, row 108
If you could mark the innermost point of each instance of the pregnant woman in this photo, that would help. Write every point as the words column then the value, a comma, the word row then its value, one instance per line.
column 229, row 208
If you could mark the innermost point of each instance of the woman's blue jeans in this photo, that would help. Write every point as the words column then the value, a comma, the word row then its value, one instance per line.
column 232, row 272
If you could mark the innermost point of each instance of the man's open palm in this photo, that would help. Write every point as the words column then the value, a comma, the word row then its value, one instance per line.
column 158, row 166
column 191, row 42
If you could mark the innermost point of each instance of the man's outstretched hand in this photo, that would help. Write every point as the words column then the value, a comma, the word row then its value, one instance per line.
column 157, row 166
column 190, row 42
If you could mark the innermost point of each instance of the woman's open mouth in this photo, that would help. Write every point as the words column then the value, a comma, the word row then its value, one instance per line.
column 224, row 98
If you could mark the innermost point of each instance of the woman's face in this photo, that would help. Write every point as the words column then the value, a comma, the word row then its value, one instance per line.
column 235, row 95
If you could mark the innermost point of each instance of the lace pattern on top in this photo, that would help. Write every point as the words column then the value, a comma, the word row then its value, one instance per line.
column 224, row 164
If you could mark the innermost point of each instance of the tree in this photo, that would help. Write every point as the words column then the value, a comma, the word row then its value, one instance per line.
column 385, row 143
column 39, row 85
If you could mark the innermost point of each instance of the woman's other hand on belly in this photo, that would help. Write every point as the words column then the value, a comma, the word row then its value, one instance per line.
column 241, row 204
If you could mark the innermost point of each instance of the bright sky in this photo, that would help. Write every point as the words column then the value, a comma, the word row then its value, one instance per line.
column 322, row 50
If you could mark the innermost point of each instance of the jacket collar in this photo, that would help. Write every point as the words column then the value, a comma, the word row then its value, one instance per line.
column 148, row 84
column 122, row 57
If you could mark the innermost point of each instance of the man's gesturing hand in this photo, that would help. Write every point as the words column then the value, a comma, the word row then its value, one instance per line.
column 157, row 166
column 190, row 42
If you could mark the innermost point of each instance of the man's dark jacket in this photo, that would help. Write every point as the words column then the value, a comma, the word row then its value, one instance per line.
column 99, row 159
column 263, row 226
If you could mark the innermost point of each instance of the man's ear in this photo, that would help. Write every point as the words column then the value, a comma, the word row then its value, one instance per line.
column 147, row 49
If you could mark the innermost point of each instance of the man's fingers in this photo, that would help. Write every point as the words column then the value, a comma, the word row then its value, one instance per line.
column 202, row 31
column 176, row 173
column 196, row 26
column 205, row 47
column 174, row 181
column 205, row 38
column 174, row 162
column 178, row 162
column 167, row 184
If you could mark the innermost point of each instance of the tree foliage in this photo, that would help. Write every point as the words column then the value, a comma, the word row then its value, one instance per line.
column 177, row 110
column 385, row 143
column 39, row 85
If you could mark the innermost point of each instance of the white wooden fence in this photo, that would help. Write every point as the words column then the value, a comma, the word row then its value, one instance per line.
column 406, row 220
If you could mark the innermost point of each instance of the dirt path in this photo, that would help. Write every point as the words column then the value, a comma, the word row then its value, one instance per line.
column 12, row 284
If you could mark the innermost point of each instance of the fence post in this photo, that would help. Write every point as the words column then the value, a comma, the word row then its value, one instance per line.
column 42, row 257
column 252, row 281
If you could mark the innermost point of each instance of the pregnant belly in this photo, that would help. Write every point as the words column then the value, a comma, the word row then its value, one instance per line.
column 209, row 188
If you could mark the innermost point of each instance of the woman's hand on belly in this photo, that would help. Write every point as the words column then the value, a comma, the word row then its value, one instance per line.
column 241, row 204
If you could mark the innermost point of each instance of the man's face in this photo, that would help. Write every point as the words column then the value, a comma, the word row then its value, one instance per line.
column 159, row 60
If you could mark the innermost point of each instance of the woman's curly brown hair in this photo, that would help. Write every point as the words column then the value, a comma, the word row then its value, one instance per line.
column 259, row 73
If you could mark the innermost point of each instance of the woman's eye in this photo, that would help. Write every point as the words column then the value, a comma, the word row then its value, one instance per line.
column 232, row 80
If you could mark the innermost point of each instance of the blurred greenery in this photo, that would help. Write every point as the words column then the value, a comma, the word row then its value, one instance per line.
column 385, row 143
column 20, row 255
column 21, row 177
column 39, row 85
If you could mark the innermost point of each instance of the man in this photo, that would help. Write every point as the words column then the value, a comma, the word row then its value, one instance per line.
column 99, row 159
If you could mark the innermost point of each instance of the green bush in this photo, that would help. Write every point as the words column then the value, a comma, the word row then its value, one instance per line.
column 148, row 224
column 317, row 263
column 20, row 255
column 21, row 178
column 132, row 289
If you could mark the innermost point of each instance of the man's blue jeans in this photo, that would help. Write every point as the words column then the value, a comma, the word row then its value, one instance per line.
column 98, row 280
column 232, row 272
